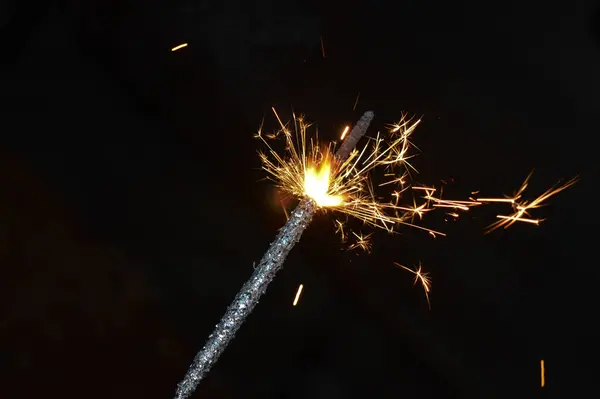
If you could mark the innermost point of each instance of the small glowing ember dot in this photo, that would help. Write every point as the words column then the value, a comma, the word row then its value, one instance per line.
column 316, row 185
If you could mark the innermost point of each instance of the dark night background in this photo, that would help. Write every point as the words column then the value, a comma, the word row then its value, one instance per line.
column 131, row 208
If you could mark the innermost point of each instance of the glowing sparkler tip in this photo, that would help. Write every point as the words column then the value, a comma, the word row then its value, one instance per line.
column 316, row 185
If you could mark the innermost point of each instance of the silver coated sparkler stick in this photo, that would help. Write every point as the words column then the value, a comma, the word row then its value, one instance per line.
column 270, row 264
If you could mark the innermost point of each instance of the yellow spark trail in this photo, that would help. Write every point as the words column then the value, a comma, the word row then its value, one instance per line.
column 179, row 47
column 422, row 277
column 308, row 168
column 543, row 373
column 521, row 208
column 300, row 287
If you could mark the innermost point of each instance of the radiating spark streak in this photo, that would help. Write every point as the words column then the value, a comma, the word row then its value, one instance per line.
column 322, row 47
column 543, row 373
column 300, row 287
column 285, row 211
column 356, row 102
column 340, row 229
column 433, row 190
column 519, row 219
column 521, row 208
column 422, row 277
column 400, row 180
column 397, row 194
column 363, row 242
column 416, row 226
column 344, row 132
column 442, row 203
column 179, row 47
column 455, row 206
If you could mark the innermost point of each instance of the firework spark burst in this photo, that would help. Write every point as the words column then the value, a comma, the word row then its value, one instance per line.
column 272, row 261
column 342, row 181
column 307, row 168
column 421, row 277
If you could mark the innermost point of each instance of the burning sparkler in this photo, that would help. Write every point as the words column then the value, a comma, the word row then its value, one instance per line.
column 343, row 185
column 313, row 187
column 341, row 181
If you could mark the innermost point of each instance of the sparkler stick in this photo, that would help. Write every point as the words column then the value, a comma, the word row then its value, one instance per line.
column 270, row 264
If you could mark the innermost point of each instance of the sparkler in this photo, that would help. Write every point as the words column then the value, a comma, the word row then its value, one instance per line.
column 341, row 181
column 272, row 261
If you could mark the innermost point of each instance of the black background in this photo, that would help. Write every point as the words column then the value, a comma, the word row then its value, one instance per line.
column 131, row 208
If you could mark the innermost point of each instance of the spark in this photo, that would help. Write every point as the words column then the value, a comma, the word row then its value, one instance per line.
column 438, row 202
column 300, row 287
column 340, row 229
column 272, row 261
column 363, row 242
column 397, row 180
column 422, row 277
column 179, row 47
column 285, row 212
column 521, row 208
column 356, row 102
column 344, row 132
column 543, row 373
column 520, row 219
